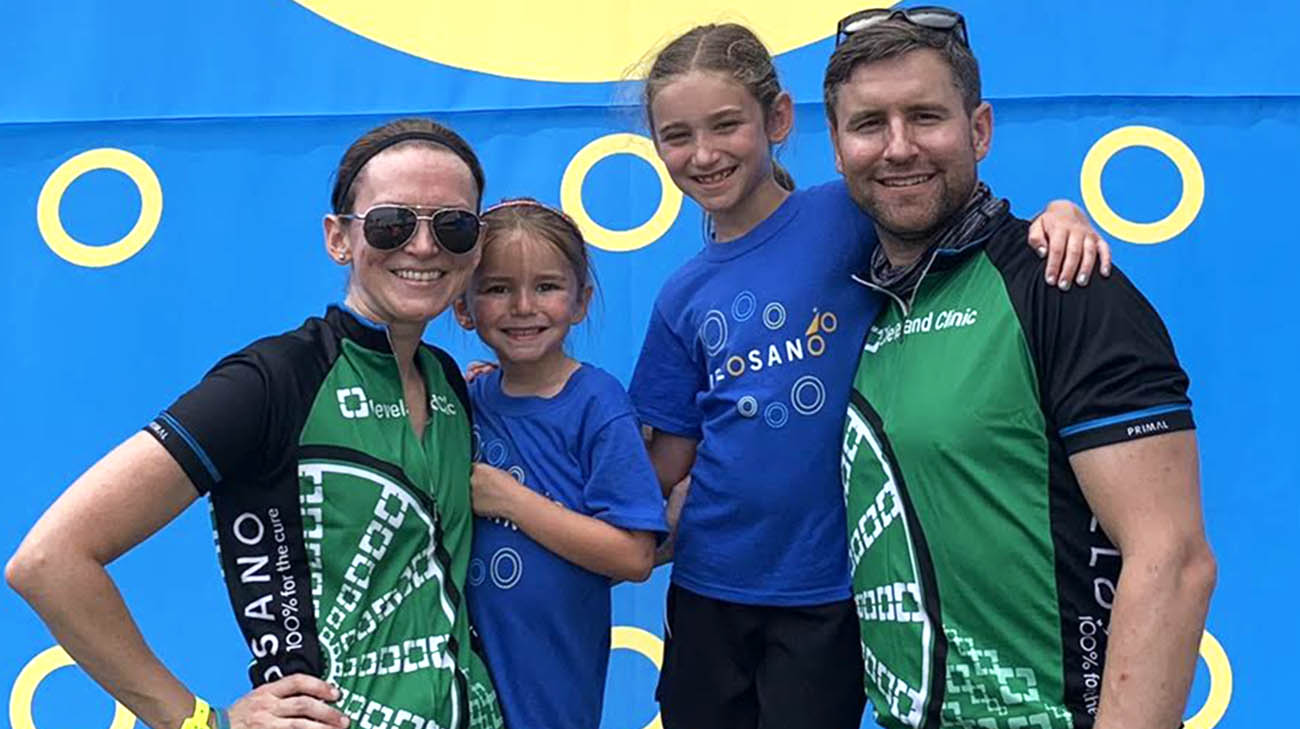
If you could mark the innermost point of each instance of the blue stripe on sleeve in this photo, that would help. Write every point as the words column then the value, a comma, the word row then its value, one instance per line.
column 1135, row 415
column 194, row 445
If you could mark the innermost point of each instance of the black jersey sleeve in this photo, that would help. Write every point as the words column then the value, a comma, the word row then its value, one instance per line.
column 1106, row 365
column 217, row 430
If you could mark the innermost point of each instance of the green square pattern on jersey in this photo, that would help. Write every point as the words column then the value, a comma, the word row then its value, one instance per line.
column 392, row 624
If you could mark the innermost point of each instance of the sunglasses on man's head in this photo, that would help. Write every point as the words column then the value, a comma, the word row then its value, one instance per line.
column 933, row 17
column 386, row 227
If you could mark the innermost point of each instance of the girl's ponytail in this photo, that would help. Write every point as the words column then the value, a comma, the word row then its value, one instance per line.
column 783, row 176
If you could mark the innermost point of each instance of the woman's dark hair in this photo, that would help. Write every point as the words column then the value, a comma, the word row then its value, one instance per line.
column 726, row 48
column 538, row 220
column 400, row 132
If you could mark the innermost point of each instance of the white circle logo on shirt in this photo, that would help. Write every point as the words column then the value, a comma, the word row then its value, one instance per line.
column 774, row 316
column 713, row 332
column 744, row 305
column 808, row 395
column 747, row 406
column 507, row 568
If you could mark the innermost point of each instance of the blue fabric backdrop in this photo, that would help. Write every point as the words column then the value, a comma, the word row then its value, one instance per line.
column 240, row 111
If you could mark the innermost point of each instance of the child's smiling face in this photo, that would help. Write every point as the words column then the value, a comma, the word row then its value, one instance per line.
column 523, row 299
column 715, row 141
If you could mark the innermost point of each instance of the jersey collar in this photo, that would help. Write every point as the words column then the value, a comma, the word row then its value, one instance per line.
column 355, row 326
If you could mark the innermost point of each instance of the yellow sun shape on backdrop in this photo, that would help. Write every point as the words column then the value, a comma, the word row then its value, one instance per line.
column 569, row 40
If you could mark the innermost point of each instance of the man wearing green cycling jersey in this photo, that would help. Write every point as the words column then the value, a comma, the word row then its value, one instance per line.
column 1020, row 468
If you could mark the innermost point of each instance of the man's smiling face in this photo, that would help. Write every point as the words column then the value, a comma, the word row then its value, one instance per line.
column 906, row 145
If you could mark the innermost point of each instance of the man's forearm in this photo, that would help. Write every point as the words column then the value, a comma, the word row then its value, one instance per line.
column 1155, row 630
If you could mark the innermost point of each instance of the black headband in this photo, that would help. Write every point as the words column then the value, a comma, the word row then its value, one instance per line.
column 442, row 140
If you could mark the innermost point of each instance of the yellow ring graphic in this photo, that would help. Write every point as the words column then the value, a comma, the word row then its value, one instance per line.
column 45, row 663
column 1216, row 704
column 1189, row 169
column 641, row 641
column 73, row 250
column 670, row 198
column 820, row 347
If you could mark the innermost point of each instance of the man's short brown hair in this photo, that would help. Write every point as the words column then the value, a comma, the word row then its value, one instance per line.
column 895, row 37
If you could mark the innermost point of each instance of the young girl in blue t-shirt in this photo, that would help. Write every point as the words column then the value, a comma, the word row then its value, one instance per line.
column 744, row 378
column 564, row 491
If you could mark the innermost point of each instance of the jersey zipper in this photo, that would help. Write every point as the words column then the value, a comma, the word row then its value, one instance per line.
column 906, row 306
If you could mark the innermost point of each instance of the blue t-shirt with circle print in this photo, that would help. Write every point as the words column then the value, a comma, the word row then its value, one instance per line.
column 751, row 348
column 544, row 621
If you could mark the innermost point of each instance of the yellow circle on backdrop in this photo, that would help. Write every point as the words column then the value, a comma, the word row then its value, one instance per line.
column 1216, row 704
column 568, row 40
column 45, row 663
column 73, row 250
column 670, row 198
column 643, row 642
column 1189, row 169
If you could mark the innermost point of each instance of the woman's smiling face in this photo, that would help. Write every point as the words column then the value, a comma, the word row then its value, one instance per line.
column 416, row 282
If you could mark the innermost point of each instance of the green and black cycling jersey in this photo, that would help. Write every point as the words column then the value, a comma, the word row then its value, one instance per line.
column 982, row 580
column 343, row 537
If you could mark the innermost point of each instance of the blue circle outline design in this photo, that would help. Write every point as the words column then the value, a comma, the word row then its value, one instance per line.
column 477, row 572
column 776, row 415
column 495, row 451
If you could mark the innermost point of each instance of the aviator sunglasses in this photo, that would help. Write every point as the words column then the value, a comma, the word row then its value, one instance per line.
column 387, row 227
column 933, row 17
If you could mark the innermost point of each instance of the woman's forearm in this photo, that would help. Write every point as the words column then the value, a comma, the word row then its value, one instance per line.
column 59, row 569
column 87, row 616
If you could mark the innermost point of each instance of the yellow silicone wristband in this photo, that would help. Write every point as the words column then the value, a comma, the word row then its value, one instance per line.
column 199, row 719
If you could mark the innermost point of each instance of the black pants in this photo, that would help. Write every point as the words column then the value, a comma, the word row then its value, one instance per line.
column 733, row 666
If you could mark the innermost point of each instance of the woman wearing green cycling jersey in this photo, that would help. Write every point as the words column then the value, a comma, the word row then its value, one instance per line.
column 337, row 459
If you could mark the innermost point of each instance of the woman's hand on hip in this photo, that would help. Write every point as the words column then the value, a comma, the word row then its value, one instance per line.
column 299, row 701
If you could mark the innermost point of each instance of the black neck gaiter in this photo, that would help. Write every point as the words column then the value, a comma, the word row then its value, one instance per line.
column 981, row 213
